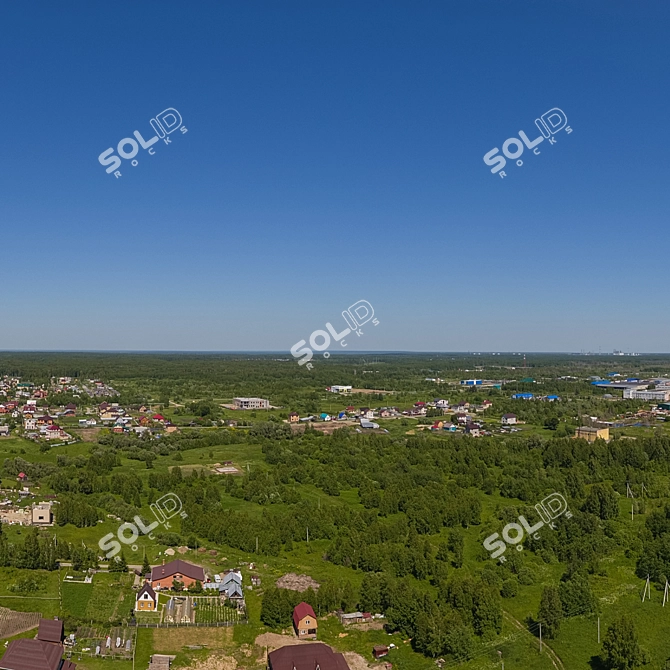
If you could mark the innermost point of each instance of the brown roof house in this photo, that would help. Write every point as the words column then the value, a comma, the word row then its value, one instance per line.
column 43, row 653
column 306, row 657
column 146, row 599
column 304, row 622
column 186, row 573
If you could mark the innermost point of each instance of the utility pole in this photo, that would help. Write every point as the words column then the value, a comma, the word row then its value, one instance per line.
column 647, row 590
column 631, row 512
column 307, row 534
column 666, row 592
column 540, row 637
column 598, row 630
column 256, row 543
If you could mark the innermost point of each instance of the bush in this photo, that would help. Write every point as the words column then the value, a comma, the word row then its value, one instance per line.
column 526, row 577
column 510, row 588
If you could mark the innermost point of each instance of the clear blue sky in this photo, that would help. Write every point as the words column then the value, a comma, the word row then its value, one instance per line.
column 334, row 153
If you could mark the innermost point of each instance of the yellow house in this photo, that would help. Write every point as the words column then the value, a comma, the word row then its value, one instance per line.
column 593, row 434
column 304, row 621
column 146, row 599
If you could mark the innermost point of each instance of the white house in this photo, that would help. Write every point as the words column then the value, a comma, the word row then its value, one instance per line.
column 508, row 419
column 339, row 389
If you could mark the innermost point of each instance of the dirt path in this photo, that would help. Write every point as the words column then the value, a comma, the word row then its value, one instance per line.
column 553, row 656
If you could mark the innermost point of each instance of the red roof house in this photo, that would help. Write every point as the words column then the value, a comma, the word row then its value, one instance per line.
column 304, row 621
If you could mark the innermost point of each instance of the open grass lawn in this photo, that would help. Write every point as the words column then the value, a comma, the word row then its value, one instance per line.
column 45, row 600
column 75, row 599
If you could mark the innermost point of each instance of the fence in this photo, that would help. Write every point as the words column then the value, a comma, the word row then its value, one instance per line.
column 216, row 624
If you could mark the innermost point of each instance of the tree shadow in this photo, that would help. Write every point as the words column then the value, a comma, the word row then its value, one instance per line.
column 596, row 663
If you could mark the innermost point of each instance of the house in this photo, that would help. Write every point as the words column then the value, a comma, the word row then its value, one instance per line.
column 158, row 417
column 232, row 585
column 451, row 427
column 522, row 396
column 186, row 573
column 508, row 419
column 146, row 599
column 367, row 413
column 368, row 424
column 487, row 403
column 593, row 434
column 42, row 653
column 438, row 425
column 378, row 651
column 171, row 428
column 51, row 630
column 304, row 621
column 42, row 515
column 55, row 432
column 472, row 429
column 442, row 404
column 339, row 389
column 306, row 657
column 22, row 477
column 4, row 431
column 462, row 418
column 293, row 417
column 324, row 417
column 251, row 403
column 255, row 580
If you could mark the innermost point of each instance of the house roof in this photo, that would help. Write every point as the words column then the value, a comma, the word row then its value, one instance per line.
column 302, row 610
column 50, row 630
column 146, row 589
column 306, row 657
column 232, row 576
column 158, row 417
column 178, row 566
column 509, row 416
column 28, row 654
column 233, row 589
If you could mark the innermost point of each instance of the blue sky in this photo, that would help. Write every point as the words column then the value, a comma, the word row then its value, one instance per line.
column 334, row 153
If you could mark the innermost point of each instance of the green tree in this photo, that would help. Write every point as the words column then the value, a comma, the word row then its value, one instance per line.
column 118, row 563
column 455, row 544
column 550, row 613
column 621, row 647
column 146, row 566
column 576, row 595
column 602, row 501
